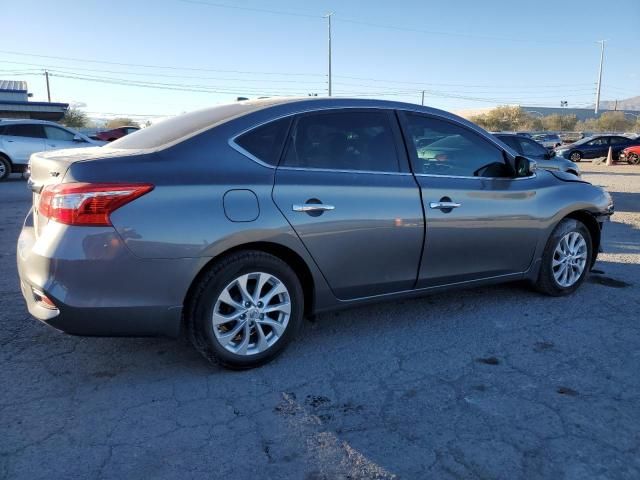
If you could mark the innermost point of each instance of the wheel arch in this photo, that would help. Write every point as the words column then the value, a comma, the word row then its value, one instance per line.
column 591, row 223
column 6, row 157
column 286, row 254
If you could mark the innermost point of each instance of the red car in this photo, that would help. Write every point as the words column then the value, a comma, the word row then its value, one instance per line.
column 115, row 133
column 631, row 155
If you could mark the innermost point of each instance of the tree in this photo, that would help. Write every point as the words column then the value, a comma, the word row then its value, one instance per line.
column 506, row 118
column 121, row 122
column 559, row 122
column 74, row 118
column 614, row 122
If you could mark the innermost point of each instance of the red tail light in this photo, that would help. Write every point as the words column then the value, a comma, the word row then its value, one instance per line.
column 87, row 203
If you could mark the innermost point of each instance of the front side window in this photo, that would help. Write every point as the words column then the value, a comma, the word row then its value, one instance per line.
column 25, row 130
column 55, row 133
column 266, row 142
column 345, row 140
column 598, row 142
column 458, row 151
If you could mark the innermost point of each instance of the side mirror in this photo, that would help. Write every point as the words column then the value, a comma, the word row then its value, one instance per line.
column 550, row 154
column 525, row 167
column 78, row 138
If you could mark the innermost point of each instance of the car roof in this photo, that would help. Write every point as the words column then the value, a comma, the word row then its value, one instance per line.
column 17, row 121
column 179, row 128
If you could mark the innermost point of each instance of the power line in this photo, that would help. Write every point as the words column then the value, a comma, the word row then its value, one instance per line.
column 139, row 65
column 524, row 38
column 162, row 75
column 252, row 9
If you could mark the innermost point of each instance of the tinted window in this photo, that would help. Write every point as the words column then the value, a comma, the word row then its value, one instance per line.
column 25, row 130
column 353, row 140
column 460, row 152
column 509, row 140
column 529, row 147
column 55, row 133
column 265, row 142
column 619, row 140
column 598, row 142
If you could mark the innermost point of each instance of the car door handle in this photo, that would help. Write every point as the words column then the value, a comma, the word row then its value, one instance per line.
column 444, row 205
column 312, row 207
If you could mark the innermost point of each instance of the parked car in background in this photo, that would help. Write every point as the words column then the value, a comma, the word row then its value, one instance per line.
column 546, row 159
column 310, row 205
column 595, row 147
column 630, row 155
column 115, row 133
column 548, row 140
column 20, row 138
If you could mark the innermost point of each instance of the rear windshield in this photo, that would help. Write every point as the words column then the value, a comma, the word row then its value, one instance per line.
column 175, row 128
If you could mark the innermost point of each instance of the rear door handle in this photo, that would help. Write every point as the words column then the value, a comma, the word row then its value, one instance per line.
column 444, row 205
column 312, row 207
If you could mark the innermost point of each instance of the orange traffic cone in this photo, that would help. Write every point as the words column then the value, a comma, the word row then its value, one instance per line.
column 610, row 158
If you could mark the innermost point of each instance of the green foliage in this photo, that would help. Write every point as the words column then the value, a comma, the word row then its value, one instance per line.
column 560, row 123
column 74, row 118
column 507, row 118
column 121, row 122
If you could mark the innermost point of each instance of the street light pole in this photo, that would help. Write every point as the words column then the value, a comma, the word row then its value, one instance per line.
column 422, row 98
column 599, row 77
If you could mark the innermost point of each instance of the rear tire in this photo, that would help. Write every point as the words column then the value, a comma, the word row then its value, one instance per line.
column 5, row 167
column 569, row 250
column 633, row 159
column 245, row 310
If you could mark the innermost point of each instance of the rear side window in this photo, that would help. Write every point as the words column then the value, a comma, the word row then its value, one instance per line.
column 511, row 141
column 345, row 140
column 55, row 133
column 266, row 142
column 619, row 140
column 529, row 147
column 25, row 130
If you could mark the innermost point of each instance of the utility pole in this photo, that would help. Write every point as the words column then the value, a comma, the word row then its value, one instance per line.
column 46, row 75
column 599, row 76
column 328, row 17
column 422, row 98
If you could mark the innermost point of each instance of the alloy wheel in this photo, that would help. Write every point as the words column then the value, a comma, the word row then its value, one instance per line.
column 251, row 313
column 569, row 259
column 575, row 157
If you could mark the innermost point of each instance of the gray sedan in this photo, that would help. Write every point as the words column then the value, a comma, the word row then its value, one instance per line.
column 233, row 222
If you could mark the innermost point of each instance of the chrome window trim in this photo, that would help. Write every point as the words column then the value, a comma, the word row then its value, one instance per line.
column 331, row 170
column 474, row 178
column 232, row 140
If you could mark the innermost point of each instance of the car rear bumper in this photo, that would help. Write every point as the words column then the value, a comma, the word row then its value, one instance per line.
column 96, row 286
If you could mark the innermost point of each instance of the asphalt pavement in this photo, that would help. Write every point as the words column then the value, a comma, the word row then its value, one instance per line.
column 495, row 382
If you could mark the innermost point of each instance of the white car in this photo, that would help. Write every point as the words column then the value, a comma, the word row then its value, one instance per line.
column 20, row 138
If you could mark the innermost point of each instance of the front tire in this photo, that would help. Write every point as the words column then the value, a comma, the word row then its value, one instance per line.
column 575, row 156
column 5, row 168
column 245, row 310
column 633, row 159
column 566, row 259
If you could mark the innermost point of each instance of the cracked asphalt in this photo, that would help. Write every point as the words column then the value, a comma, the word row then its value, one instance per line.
column 496, row 382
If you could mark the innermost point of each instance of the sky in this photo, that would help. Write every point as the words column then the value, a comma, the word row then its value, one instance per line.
column 150, row 59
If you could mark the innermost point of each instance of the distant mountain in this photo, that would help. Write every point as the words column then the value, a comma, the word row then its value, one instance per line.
column 632, row 103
